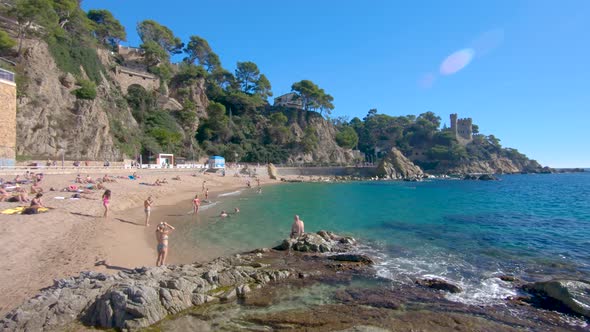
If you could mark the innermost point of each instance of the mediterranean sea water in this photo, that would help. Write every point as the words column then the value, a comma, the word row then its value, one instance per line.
column 534, row 227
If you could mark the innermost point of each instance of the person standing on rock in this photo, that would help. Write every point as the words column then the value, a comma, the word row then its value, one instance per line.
column 162, row 232
column 297, row 229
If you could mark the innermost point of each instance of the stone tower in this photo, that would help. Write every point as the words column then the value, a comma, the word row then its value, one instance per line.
column 462, row 129
column 8, row 118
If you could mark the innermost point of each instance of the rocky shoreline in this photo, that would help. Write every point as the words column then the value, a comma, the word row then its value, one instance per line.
column 132, row 300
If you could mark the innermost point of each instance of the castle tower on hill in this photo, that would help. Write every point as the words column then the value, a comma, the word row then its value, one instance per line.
column 462, row 129
column 8, row 116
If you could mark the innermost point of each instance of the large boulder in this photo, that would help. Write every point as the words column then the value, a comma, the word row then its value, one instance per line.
column 321, row 241
column 569, row 296
column 396, row 166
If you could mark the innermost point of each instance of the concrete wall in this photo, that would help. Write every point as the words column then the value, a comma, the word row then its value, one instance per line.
column 7, row 123
column 327, row 171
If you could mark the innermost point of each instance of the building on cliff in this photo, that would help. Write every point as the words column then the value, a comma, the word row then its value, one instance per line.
column 133, row 70
column 8, row 116
column 462, row 129
column 290, row 99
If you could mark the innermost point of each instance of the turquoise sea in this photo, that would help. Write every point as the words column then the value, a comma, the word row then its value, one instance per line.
column 535, row 227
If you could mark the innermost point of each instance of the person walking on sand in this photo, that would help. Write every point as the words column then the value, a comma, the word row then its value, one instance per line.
column 297, row 229
column 147, row 207
column 203, row 187
column 106, row 197
column 207, row 194
column 162, row 232
column 196, row 204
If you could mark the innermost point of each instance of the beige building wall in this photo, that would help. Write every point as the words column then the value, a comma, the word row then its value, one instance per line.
column 7, row 122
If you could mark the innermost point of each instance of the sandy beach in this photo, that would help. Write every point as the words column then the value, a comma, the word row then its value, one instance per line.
column 73, row 236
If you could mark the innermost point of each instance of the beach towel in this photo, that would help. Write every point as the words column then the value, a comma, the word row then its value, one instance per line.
column 21, row 209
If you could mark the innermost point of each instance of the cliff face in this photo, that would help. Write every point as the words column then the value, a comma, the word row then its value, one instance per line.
column 50, row 119
column 326, row 149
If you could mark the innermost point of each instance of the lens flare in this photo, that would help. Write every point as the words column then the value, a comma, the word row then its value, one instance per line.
column 456, row 61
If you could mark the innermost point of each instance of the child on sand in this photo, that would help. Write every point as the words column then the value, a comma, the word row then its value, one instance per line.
column 106, row 197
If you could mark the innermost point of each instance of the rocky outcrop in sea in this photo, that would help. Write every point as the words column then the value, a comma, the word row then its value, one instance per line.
column 396, row 166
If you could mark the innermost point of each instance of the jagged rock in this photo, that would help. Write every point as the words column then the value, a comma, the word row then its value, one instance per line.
column 355, row 258
column 321, row 241
column 440, row 285
column 396, row 166
column 272, row 172
column 568, row 296
column 169, row 104
column 311, row 242
column 68, row 80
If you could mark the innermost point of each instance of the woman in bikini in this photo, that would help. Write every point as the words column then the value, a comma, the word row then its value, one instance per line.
column 196, row 204
column 106, row 197
column 162, row 232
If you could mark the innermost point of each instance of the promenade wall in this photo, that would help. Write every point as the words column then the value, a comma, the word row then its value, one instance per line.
column 327, row 171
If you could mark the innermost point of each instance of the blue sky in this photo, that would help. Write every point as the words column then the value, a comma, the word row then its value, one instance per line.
column 527, row 82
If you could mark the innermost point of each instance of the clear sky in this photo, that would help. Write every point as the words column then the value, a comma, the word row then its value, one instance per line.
column 522, row 70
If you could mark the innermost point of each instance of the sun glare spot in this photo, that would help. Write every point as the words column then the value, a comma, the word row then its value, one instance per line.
column 456, row 61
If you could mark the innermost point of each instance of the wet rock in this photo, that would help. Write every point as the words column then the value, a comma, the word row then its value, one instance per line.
column 508, row 278
column 567, row 296
column 374, row 297
column 487, row 177
column 355, row 258
column 439, row 284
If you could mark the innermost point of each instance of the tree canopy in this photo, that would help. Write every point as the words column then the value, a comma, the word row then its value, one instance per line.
column 313, row 97
column 106, row 27
column 152, row 31
column 198, row 49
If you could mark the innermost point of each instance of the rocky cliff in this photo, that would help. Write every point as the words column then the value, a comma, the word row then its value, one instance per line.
column 326, row 150
column 52, row 121
column 396, row 166
column 494, row 165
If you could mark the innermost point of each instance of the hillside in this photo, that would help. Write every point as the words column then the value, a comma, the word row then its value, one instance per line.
column 83, row 95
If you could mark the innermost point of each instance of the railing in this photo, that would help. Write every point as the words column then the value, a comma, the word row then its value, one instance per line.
column 6, row 75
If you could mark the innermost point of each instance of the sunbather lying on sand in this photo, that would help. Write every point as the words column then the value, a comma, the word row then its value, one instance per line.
column 3, row 194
